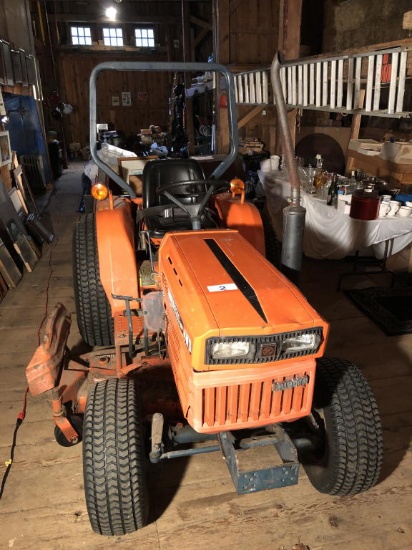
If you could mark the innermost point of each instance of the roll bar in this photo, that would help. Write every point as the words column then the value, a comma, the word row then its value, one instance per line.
column 157, row 67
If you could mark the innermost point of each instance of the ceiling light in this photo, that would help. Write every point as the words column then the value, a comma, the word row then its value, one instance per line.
column 111, row 13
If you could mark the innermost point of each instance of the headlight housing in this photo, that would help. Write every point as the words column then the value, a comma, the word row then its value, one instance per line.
column 264, row 349
column 300, row 342
column 238, row 349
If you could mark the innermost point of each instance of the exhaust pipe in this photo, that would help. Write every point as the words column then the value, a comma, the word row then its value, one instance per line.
column 294, row 214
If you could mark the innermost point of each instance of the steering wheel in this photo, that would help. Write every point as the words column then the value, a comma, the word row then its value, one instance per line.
column 185, row 188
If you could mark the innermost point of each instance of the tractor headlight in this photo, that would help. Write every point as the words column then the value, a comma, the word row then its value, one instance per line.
column 232, row 350
column 304, row 342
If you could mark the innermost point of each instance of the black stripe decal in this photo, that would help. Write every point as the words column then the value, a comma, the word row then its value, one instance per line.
column 237, row 277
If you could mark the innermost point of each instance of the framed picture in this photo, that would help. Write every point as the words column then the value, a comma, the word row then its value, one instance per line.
column 142, row 96
column 8, row 64
column 2, row 68
column 5, row 151
column 31, row 69
column 17, row 68
column 2, row 107
column 115, row 100
column 126, row 99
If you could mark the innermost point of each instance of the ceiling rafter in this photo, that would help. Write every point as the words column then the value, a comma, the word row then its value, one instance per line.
column 84, row 18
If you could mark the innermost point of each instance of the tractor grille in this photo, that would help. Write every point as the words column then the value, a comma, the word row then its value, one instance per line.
column 256, row 402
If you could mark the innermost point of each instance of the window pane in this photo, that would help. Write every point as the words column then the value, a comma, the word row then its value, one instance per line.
column 113, row 36
column 81, row 36
column 144, row 38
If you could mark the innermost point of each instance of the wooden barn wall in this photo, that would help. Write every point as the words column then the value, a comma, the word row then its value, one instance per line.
column 253, row 31
column 67, row 69
column 246, row 37
column 75, row 71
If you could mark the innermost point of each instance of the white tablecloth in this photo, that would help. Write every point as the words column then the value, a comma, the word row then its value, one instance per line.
column 330, row 233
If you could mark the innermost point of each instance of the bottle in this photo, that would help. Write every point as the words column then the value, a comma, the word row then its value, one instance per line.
column 332, row 198
column 310, row 174
column 319, row 179
column 353, row 182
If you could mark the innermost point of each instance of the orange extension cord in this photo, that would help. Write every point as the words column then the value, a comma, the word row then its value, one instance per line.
column 20, row 417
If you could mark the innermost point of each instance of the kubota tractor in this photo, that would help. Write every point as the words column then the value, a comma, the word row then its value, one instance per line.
column 199, row 344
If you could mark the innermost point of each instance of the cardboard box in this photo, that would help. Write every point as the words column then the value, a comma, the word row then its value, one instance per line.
column 397, row 152
column 369, row 147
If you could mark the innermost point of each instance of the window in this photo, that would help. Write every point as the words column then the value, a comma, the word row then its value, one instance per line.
column 81, row 36
column 113, row 37
column 144, row 38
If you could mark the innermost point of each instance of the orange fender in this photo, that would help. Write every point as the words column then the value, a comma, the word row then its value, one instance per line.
column 243, row 216
column 116, row 250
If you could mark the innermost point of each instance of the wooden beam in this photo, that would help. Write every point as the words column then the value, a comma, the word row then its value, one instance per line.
column 143, row 19
column 251, row 114
column 290, row 16
column 201, row 23
column 200, row 36
column 354, row 131
column 235, row 4
column 221, row 18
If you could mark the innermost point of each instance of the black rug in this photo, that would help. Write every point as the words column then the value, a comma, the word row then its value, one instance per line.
column 389, row 308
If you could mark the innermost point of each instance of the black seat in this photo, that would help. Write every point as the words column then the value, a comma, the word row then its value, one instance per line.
column 161, row 172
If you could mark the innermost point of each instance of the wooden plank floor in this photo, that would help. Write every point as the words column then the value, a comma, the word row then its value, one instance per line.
column 193, row 503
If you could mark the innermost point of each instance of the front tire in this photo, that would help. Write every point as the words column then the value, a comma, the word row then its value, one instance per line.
column 114, row 459
column 94, row 316
column 348, row 456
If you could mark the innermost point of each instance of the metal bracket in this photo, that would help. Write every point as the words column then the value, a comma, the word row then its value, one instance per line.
column 127, row 300
column 251, row 481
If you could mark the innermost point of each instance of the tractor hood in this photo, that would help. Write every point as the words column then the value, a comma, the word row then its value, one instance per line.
column 217, row 285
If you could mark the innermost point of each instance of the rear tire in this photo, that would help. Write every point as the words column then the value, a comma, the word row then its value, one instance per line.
column 94, row 316
column 114, row 459
column 348, row 458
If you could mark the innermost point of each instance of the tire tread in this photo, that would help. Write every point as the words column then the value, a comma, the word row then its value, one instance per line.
column 356, row 441
column 92, row 306
column 113, row 459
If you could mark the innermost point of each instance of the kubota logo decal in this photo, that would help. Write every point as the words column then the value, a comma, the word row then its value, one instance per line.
column 290, row 383
column 173, row 305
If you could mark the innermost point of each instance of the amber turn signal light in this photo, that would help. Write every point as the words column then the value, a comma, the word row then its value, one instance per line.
column 237, row 187
column 100, row 191
column 236, row 184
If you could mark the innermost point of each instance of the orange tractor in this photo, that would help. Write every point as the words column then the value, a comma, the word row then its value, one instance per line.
column 199, row 344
